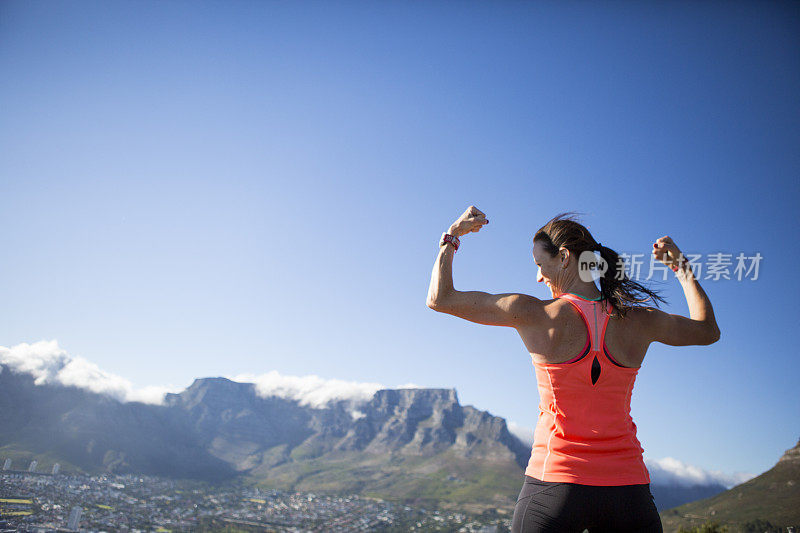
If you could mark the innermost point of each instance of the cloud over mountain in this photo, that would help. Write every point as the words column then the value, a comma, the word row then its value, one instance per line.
column 671, row 471
column 523, row 433
column 311, row 391
column 48, row 363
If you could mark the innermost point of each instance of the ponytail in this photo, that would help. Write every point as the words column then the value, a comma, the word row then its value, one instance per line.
column 623, row 293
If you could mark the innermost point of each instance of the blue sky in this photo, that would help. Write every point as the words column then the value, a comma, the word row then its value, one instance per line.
column 195, row 189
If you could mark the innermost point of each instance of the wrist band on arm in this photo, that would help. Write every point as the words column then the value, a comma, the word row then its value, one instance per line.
column 452, row 239
column 682, row 262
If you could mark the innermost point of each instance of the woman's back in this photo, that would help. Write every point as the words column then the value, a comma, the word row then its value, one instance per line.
column 585, row 433
column 561, row 334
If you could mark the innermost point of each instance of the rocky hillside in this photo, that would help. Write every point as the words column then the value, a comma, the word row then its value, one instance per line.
column 771, row 497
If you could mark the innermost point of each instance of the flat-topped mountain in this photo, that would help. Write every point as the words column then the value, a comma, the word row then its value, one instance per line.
column 400, row 443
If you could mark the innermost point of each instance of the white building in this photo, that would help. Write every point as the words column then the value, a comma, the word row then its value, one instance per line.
column 74, row 518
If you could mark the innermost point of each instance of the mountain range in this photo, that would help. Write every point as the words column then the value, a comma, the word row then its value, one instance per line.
column 416, row 445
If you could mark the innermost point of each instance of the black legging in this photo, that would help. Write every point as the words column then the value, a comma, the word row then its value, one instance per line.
column 545, row 506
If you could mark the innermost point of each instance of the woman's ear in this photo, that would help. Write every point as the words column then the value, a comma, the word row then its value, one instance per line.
column 564, row 253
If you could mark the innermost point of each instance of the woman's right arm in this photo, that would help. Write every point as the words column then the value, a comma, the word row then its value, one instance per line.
column 509, row 309
column 675, row 330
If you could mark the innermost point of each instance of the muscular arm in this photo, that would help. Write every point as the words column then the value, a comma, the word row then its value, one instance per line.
column 491, row 309
column 483, row 308
column 675, row 330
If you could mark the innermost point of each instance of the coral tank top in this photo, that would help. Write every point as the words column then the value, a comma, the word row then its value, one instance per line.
column 585, row 433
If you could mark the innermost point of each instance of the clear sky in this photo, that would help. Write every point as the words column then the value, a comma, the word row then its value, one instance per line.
column 193, row 189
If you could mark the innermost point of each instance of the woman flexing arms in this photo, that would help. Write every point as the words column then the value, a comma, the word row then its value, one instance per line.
column 587, row 344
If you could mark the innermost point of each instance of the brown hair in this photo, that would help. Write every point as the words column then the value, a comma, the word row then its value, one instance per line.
column 563, row 230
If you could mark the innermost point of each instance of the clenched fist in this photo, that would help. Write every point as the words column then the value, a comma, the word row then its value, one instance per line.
column 473, row 219
column 666, row 251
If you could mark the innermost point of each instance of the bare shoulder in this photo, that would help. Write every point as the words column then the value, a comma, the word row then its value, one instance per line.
column 642, row 319
column 518, row 308
column 642, row 314
column 524, row 307
column 524, row 301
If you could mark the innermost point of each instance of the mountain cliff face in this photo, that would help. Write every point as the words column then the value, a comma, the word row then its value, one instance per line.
column 218, row 429
column 235, row 424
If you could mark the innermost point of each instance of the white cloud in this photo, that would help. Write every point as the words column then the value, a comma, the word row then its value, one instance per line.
column 43, row 359
column 671, row 471
column 523, row 433
column 50, row 364
column 666, row 471
column 312, row 391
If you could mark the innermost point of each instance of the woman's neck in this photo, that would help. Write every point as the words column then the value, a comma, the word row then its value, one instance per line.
column 583, row 289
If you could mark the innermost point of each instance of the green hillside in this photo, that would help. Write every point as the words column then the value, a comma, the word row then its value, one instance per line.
column 444, row 480
column 772, row 497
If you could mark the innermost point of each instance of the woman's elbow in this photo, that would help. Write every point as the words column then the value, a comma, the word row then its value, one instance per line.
column 436, row 305
column 713, row 335
column 439, row 301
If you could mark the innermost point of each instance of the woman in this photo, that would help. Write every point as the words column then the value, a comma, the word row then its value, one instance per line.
column 586, row 469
